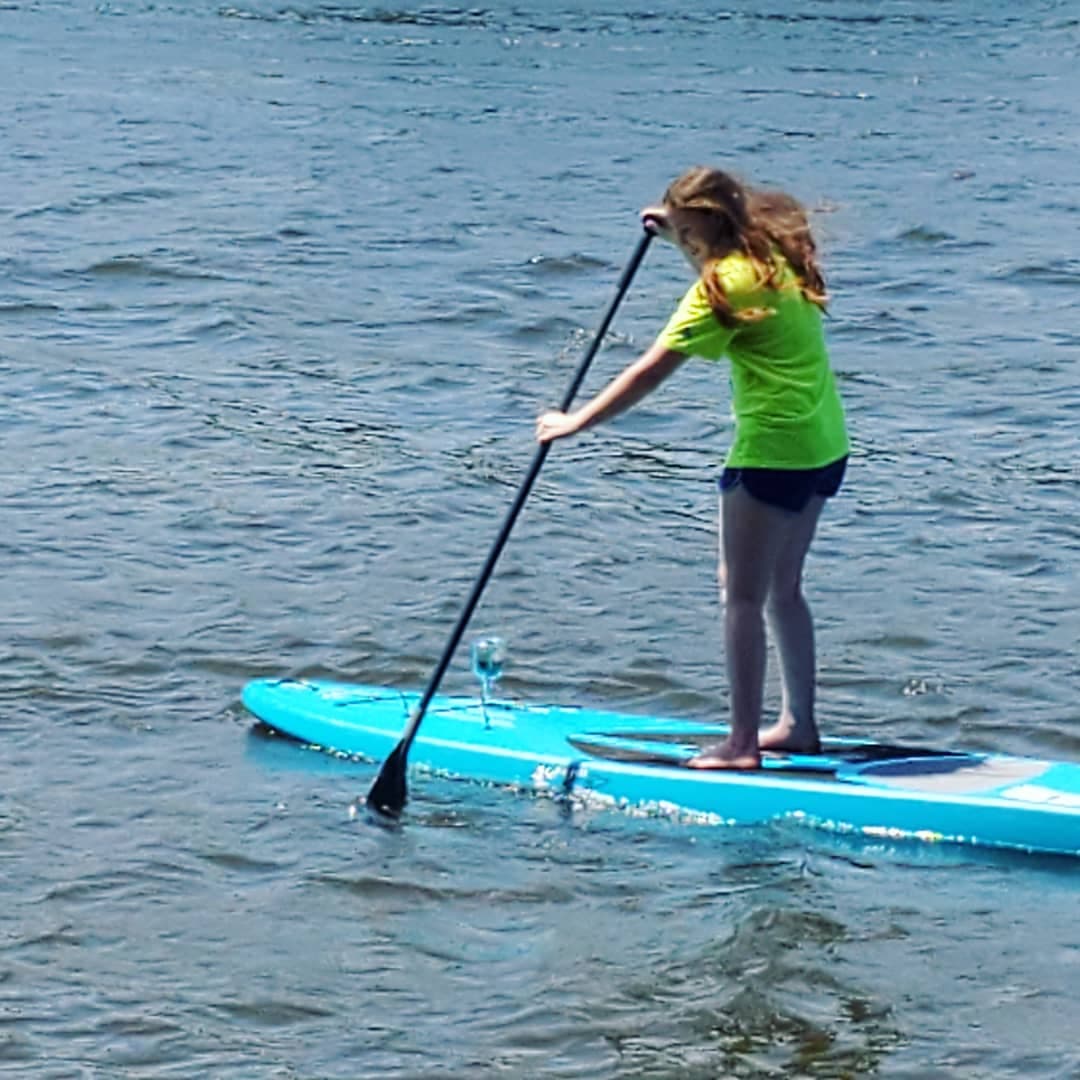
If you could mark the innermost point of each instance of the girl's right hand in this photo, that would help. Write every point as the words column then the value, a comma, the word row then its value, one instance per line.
column 554, row 425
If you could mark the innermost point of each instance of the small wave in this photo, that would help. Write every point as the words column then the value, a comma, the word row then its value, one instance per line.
column 462, row 315
column 27, row 307
column 562, row 266
column 238, row 861
column 926, row 236
column 374, row 885
column 131, row 197
column 271, row 1013
column 326, row 13
column 135, row 266
column 551, row 328
column 1043, row 274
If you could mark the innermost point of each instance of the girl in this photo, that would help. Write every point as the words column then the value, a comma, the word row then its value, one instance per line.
column 758, row 301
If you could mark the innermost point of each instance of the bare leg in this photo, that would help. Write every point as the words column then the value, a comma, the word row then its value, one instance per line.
column 792, row 628
column 752, row 535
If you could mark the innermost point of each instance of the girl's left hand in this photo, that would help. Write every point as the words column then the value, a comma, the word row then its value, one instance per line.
column 554, row 425
column 656, row 220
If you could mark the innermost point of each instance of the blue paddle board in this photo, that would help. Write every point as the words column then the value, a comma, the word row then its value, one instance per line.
column 638, row 764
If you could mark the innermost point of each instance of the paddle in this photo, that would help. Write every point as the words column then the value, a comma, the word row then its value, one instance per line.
column 389, row 792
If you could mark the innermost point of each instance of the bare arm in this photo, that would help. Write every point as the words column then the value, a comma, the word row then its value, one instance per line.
column 626, row 389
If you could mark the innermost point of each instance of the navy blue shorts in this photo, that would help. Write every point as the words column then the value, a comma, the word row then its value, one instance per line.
column 789, row 489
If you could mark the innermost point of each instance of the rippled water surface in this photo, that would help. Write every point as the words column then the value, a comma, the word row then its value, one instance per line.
column 282, row 287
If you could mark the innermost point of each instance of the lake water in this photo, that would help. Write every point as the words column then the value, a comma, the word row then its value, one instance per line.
column 282, row 287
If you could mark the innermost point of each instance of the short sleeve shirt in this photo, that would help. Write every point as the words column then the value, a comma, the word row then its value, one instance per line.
column 788, row 412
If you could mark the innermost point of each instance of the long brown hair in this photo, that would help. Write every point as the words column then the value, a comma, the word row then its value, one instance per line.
column 757, row 222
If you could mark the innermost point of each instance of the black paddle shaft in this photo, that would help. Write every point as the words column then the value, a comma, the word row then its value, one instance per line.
column 389, row 792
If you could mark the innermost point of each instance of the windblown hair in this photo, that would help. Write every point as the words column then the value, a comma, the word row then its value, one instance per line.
column 759, row 223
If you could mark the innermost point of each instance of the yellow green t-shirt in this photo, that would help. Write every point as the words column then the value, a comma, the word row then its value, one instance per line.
column 788, row 413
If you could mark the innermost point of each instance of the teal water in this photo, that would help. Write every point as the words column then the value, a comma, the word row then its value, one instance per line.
column 282, row 287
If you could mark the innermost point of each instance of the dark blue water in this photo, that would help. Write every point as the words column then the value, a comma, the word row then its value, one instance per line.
column 282, row 287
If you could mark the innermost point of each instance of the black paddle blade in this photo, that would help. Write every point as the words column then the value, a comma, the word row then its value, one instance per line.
column 390, row 792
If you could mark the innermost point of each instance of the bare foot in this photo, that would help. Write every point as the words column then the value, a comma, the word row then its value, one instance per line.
column 786, row 736
column 722, row 755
